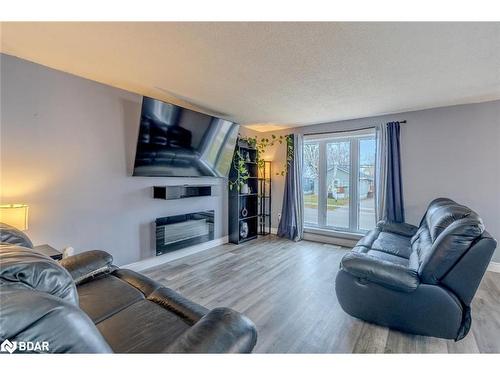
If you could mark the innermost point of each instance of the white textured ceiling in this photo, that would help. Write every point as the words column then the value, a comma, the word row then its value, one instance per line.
column 276, row 73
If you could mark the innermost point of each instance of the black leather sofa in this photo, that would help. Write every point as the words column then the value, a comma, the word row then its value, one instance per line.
column 85, row 304
column 419, row 280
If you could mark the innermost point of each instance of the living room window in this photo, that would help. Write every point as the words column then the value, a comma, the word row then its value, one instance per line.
column 339, row 181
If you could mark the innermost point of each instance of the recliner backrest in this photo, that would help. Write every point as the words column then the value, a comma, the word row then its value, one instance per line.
column 36, row 271
column 39, row 303
column 13, row 236
column 447, row 231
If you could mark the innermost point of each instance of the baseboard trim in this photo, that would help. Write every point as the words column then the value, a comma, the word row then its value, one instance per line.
column 345, row 242
column 174, row 255
column 315, row 237
column 494, row 267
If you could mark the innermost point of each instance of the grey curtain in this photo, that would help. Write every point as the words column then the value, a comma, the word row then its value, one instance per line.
column 394, row 189
column 292, row 212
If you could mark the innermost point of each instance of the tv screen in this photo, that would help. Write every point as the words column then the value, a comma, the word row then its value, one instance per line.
column 178, row 142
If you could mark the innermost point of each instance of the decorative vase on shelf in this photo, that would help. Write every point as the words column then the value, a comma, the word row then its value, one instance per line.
column 244, row 212
column 248, row 158
column 243, row 230
column 244, row 189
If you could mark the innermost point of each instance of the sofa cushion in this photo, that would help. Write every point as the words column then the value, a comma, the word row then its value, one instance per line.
column 106, row 296
column 394, row 244
column 142, row 327
column 386, row 242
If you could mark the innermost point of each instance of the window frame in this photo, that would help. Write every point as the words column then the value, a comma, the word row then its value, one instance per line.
column 354, row 138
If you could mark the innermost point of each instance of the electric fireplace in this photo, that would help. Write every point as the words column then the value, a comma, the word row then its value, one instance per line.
column 180, row 231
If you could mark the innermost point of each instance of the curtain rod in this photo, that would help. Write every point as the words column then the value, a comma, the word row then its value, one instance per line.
column 348, row 131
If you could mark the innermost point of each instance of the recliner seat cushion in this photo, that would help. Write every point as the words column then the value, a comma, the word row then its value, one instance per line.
column 393, row 244
column 389, row 246
column 142, row 327
column 106, row 296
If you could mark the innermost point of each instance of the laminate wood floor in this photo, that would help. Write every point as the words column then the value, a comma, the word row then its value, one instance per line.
column 287, row 289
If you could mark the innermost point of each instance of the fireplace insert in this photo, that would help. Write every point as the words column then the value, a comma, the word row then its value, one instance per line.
column 180, row 231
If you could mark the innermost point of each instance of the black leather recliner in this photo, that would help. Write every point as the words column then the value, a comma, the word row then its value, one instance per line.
column 418, row 280
column 85, row 304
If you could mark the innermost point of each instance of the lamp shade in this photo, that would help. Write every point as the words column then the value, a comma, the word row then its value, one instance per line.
column 15, row 215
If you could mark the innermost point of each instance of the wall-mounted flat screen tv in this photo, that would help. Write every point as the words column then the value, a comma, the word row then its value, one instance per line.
column 178, row 142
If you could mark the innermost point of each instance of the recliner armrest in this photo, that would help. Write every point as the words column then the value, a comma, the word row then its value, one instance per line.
column 387, row 274
column 222, row 330
column 88, row 264
column 402, row 229
column 181, row 306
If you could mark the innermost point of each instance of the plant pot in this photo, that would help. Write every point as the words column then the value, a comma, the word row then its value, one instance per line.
column 244, row 189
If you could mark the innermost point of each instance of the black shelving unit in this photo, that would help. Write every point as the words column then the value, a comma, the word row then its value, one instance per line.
column 244, row 206
column 265, row 198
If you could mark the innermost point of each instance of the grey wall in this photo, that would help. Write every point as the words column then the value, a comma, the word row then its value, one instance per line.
column 67, row 145
column 451, row 151
column 67, row 148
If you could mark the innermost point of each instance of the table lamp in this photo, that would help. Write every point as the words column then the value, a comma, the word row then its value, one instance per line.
column 15, row 215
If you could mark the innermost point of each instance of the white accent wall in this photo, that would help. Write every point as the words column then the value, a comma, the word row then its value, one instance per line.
column 67, row 150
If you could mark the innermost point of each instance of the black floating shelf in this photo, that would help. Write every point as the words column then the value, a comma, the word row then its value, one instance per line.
column 181, row 191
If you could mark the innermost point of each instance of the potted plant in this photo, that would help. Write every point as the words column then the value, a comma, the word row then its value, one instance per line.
column 242, row 174
column 262, row 144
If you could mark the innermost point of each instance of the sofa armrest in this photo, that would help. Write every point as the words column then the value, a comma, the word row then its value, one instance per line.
column 402, row 229
column 387, row 274
column 87, row 265
column 181, row 306
column 222, row 330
